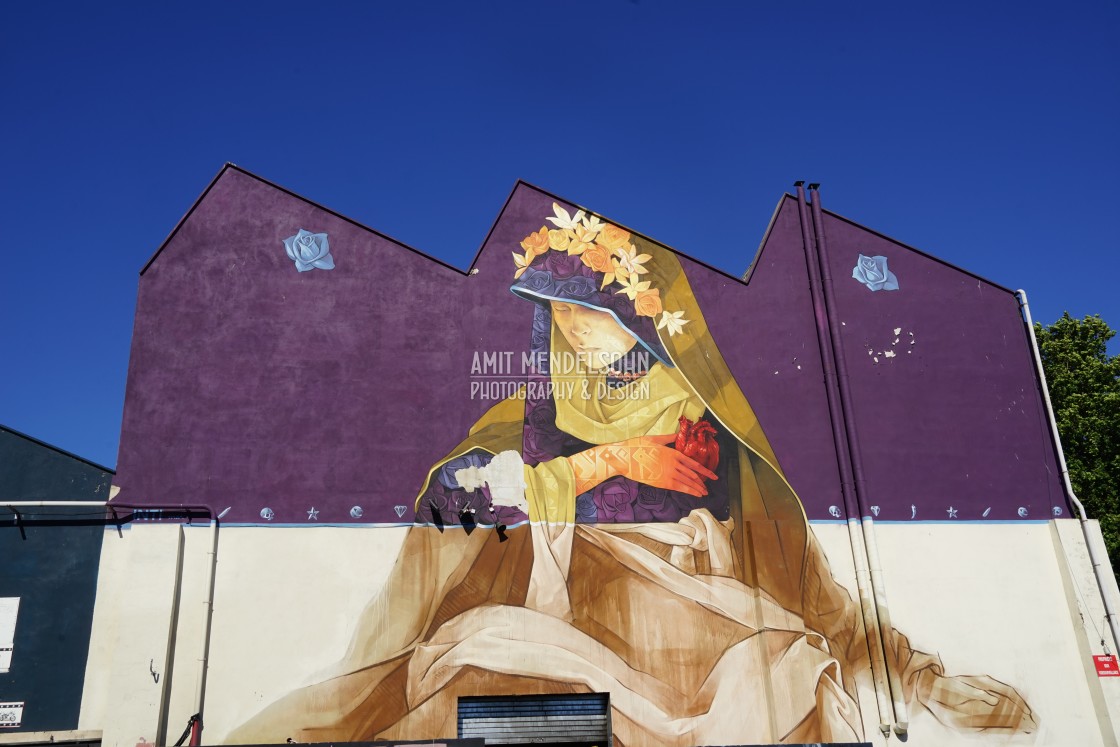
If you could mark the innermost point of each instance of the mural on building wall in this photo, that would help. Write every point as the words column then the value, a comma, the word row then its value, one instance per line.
column 618, row 523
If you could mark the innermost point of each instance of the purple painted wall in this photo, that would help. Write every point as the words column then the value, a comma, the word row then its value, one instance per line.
column 254, row 386
column 951, row 426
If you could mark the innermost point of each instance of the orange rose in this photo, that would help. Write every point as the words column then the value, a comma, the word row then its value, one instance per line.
column 648, row 302
column 597, row 257
column 536, row 244
column 559, row 239
column 613, row 237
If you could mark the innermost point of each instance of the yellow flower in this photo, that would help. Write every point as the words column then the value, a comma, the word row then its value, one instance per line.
column 613, row 237
column 582, row 240
column 648, row 302
column 559, row 239
column 522, row 263
column 536, row 244
column 612, row 273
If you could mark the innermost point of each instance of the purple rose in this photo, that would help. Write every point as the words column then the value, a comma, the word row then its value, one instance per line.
column 536, row 280
column 542, row 439
column 561, row 265
column 657, row 504
column 586, row 512
column 542, row 332
column 873, row 272
column 614, row 499
column 507, row 515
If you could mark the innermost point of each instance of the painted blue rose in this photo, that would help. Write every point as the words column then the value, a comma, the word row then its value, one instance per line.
column 537, row 280
column 586, row 511
column 873, row 272
column 577, row 288
column 309, row 251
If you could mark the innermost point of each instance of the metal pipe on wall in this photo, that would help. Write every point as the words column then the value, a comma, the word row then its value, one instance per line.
column 1099, row 566
column 204, row 652
column 878, row 586
column 844, row 467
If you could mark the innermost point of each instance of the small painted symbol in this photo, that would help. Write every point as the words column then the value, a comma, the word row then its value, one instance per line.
column 875, row 510
column 835, row 511
column 1023, row 512
column 313, row 514
column 225, row 511
column 356, row 512
column 987, row 511
column 399, row 510
column 952, row 512
column 267, row 514
column 1057, row 510
column 913, row 511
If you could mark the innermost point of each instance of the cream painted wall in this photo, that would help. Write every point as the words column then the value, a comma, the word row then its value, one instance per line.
column 995, row 599
column 130, row 639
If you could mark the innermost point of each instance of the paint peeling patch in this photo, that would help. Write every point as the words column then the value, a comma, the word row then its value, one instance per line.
column 886, row 353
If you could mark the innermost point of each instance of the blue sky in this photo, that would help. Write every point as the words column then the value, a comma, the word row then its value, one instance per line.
column 983, row 133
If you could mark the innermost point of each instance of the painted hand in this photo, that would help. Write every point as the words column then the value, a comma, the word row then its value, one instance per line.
column 646, row 459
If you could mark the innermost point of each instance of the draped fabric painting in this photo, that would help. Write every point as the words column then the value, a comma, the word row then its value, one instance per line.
column 621, row 524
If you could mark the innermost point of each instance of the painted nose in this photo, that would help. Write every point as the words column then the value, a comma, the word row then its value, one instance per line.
column 579, row 324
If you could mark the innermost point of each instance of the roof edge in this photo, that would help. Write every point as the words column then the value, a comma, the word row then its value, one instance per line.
column 56, row 449
column 927, row 255
column 296, row 195
column 765, row 237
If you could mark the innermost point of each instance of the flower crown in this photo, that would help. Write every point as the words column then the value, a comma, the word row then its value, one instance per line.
column 606, row 249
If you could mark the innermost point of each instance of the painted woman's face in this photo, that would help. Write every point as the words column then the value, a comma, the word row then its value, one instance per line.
column 591, row 332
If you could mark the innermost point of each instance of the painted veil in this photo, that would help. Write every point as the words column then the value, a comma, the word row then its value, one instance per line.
column 708, row 621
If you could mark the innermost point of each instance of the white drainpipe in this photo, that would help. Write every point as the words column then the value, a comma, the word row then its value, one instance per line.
column 1098, row 566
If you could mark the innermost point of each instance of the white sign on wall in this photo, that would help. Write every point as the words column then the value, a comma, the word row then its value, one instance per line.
column 11, row 715
column 9, row 608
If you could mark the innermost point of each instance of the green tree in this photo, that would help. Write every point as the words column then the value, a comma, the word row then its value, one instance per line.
column 1085, row 391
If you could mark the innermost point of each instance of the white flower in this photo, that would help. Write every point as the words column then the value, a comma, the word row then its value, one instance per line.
column 673, row 321
column 631, row 287
column 563, row 219
column 631, row 261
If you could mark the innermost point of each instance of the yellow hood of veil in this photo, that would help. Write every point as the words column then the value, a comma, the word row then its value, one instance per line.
column 775, row 550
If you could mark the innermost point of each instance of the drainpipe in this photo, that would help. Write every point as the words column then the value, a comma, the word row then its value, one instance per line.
column 844, row 467
column 196, row 723
column 49, row 504
column 1101, row 570
column 901, row 715
column 204, row 647
column 207, row 601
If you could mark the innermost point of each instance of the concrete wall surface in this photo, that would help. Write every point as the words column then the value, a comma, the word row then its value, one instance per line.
column 1013, row 602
